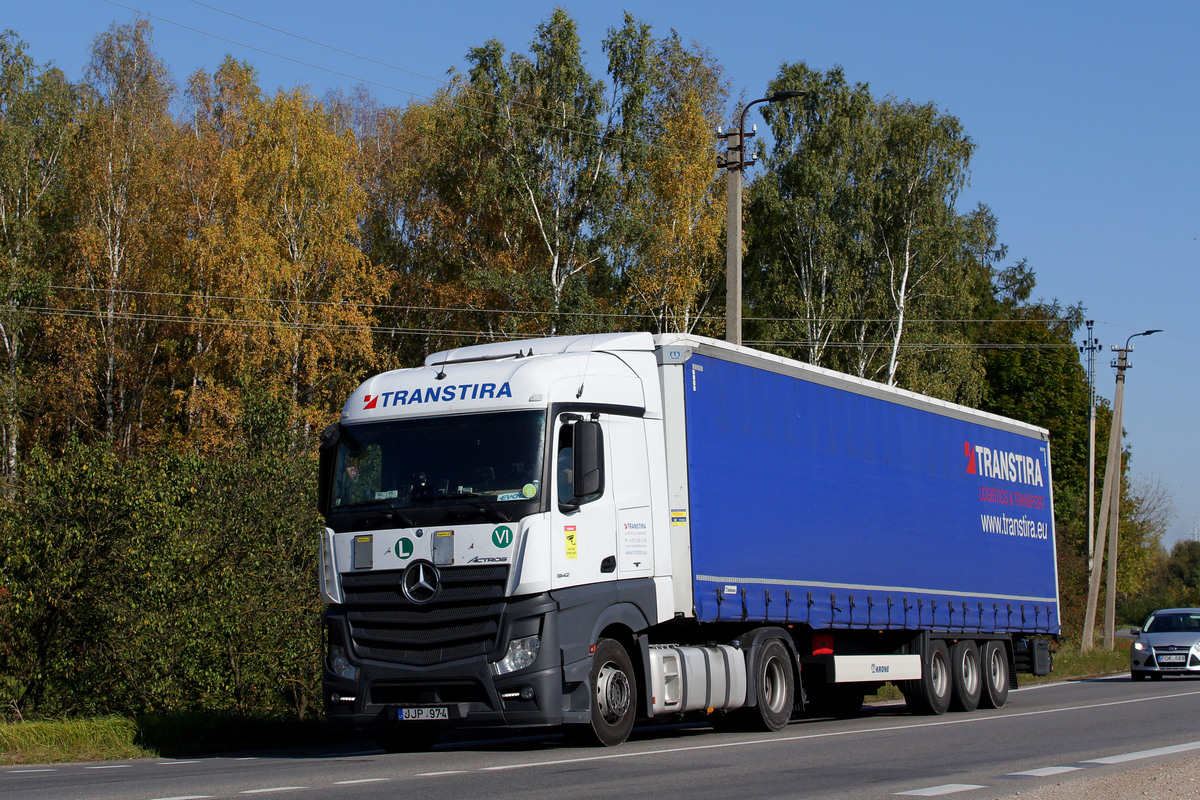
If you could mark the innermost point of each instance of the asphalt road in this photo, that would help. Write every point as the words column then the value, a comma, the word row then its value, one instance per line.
column 1045, row 734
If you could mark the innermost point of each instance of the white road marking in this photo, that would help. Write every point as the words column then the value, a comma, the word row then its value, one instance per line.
column 111, row 766
column 361, row 780
column 1043, row 772
column 274, row 789
column 173, row 763
column 831, row 734
column 188, row 797
column 15, row 771
column 1158, row 751
column 435, row 774
column 945, row 788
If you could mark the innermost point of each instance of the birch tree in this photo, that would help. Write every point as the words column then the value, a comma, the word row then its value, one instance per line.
column 38, row 121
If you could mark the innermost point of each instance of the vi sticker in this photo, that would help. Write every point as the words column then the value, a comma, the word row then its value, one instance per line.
column 502, row 536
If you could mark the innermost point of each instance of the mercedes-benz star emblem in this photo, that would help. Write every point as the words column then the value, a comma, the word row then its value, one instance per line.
column 421, row 581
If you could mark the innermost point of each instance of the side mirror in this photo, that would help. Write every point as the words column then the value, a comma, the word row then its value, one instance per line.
column 1135, row 632
column 588, row 459
column 329, row 443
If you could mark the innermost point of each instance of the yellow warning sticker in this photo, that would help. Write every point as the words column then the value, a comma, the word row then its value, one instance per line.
column 572, row 550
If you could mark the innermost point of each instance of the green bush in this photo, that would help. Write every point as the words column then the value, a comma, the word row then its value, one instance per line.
column 161, row 582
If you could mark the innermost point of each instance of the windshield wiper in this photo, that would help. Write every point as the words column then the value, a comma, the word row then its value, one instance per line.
column 389, row 505
column 485, row 506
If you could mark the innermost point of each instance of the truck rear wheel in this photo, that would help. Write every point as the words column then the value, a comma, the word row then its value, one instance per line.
column 995, row 675
column 930, row 694
column 614, row 695
column 967, row 684
column 774, row 687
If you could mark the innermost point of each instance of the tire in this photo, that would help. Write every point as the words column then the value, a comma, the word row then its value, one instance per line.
column 774, row 687
column 614, row 696
column 967, row 679
column 1137, row 676
column 1156, row 676
column 994, row 665
column 930, row 695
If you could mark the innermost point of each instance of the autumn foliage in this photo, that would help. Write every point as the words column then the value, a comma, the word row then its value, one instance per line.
column 193, row 278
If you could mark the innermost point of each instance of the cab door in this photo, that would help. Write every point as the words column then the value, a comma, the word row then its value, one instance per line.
column 583, row 532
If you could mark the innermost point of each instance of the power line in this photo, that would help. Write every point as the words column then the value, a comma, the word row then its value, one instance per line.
column 527, row 312
column 345, row 327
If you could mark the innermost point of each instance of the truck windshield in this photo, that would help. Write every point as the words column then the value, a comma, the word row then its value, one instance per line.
column 441, row 469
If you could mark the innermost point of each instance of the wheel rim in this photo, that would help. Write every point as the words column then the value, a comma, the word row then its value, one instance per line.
column 970, row 674
column 612, row 693
column 774, row 688
column 939, row 676
column 997, row 670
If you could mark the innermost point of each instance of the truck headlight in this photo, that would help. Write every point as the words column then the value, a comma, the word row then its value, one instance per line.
column 339, row 664
column 521, row 654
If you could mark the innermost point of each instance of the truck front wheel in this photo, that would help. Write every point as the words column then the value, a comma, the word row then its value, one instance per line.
column 614, row 694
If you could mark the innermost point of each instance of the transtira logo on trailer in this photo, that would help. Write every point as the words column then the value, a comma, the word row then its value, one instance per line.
column 1003, row 465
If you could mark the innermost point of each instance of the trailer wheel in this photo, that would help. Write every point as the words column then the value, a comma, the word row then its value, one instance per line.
column 774, row 686
column 995, row 675
column 614, row 695
column 967, row 684
column 930, row 694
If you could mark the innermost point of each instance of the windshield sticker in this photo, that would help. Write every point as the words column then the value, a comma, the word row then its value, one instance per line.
column 502, row 536
column 528, row 492
column 392, row 495
column 404, row 548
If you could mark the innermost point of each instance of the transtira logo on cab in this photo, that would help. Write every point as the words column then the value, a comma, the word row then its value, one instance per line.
column 437, row 394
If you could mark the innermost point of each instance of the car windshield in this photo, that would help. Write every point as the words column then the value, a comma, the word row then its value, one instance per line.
column 486, row 465
column 1173, row 622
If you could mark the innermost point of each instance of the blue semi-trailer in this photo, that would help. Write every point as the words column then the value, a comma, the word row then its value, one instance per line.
column 590, row 531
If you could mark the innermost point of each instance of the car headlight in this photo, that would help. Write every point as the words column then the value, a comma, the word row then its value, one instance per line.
column 521, row 654
column 1139, row 646
column 339, row 663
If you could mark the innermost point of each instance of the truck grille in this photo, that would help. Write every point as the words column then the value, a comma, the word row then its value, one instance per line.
column 461, row 621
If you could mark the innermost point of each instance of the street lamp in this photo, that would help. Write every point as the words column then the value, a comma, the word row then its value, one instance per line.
column 736, row 163
column 1110, row 499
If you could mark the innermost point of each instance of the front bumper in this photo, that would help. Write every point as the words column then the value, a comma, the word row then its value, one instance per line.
column 464, row 690
column 1158, row 661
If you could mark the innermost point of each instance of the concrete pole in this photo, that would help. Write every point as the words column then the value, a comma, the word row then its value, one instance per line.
column 1110, row 472
column 1110, row 500
column 1114, row 512
column 733, row 237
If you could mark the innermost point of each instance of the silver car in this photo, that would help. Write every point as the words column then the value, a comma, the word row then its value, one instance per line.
column 1168, row 644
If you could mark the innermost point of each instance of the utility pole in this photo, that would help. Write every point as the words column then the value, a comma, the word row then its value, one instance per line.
column 736, row 162
column 1110, row 499
column 1090, row 346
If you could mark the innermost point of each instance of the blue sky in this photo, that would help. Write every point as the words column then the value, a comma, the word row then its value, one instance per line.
column 1085, row 115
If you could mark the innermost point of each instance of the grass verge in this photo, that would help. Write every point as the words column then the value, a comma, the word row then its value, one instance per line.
column 53, row 741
